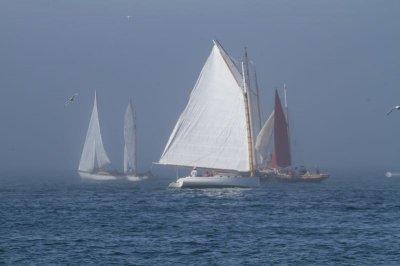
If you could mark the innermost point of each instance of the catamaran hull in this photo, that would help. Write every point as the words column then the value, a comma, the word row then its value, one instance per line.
column 219, row 181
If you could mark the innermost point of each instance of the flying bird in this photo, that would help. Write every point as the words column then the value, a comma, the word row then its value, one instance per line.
column 397, row 107
column 129, row 17
column 71, row 99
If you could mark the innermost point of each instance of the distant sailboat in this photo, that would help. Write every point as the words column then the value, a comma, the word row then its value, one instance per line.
column 130, row 141
column 94, row 159
column 275, row 136
column 130, row 165
column 214, row 132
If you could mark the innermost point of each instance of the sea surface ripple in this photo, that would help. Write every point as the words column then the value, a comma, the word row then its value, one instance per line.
column 345, row 220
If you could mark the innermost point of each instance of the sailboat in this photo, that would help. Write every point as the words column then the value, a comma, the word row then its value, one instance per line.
column 214, row 133
column 130, row 169
column 275, row 133
column 94, row 159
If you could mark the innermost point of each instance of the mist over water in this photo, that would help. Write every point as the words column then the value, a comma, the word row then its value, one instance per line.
column 339, row 60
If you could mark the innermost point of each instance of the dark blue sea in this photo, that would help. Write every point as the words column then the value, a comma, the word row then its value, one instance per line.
column 348, row 219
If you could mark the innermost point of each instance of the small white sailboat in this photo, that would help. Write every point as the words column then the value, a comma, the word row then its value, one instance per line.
column 214, row 132
column 130, row 164
column 94, row 159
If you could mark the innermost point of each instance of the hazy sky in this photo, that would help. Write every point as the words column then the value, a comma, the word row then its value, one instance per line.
column 339, row 59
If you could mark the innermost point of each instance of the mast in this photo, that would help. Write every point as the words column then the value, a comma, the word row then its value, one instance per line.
column 255, row 123
column 246, row 78
column 248, row 125
column 287, row 120
column 134, row 138
column 286, row 106
column 258, row 97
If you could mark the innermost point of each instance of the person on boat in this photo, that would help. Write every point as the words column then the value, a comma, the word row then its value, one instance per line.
column 194, row 172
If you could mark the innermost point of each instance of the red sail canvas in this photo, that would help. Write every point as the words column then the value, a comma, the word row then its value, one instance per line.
column 281, row 156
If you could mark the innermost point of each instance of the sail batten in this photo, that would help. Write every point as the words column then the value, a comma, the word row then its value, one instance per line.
column 211, row 132
column 94, row 156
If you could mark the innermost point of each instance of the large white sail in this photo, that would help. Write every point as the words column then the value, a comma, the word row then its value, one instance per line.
column 264, row 139
column 212, row 131
column 130, row 141
column 94, row 156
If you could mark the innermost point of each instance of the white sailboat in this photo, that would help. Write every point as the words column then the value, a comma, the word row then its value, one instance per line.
column 214, row 132
column 130, row 168
column 130, row 141
column 94, row 159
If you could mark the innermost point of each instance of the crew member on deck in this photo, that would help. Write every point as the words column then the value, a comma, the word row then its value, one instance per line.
column 194, row 172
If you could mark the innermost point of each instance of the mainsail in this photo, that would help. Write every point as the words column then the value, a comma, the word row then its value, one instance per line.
column 130, row 141
column 94, row 156
column 212, row 130
column 281, row 156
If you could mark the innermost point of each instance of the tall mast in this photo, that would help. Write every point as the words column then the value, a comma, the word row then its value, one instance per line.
column 246, row 82
column 246, row 76
column 249, row 131
column 258, row 97
column 287, row 119
column 134, row 136
column 286, row 106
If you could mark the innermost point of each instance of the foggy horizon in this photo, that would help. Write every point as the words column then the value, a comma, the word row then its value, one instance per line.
column 339, row 60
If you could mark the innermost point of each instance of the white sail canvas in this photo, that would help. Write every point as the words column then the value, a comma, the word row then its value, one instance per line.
column 130, row 141
column 212, row 131
column 94, row 156
column 264, row 139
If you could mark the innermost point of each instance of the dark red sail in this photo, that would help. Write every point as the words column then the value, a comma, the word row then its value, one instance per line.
column 281, row 156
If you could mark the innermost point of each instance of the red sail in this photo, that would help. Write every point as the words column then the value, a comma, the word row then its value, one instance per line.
column 281, row 155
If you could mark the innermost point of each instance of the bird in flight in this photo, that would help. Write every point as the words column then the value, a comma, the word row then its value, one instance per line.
column 397, row 107
column 71, row 99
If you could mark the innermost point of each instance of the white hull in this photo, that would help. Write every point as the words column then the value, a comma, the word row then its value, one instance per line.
column 217, row 181
column 110, row 176
column 392, row 174
column 98, row 176
column 134, row 178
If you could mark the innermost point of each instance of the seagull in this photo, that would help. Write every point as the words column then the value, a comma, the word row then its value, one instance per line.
column 397, row 107
column 129, row 17
column 71, row 99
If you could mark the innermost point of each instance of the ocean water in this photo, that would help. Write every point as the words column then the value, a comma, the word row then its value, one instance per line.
column 349, row 219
